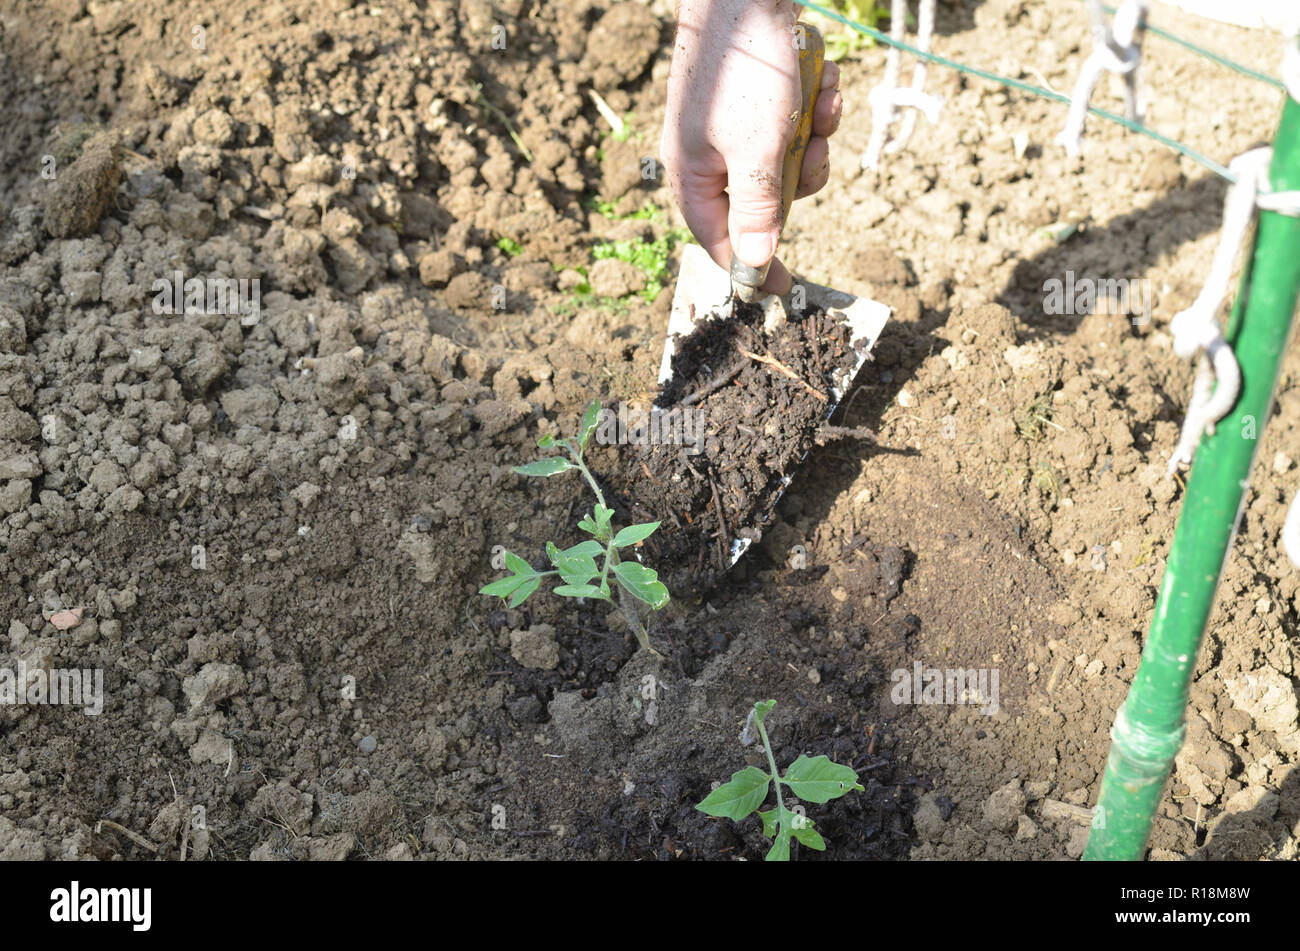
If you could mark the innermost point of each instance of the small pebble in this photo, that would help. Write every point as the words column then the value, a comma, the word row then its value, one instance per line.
column 368, row 745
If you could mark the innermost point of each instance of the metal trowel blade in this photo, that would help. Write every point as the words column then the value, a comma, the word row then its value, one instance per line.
column 704, row 293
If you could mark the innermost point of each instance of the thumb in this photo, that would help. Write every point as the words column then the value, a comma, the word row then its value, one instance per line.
column 755, row 215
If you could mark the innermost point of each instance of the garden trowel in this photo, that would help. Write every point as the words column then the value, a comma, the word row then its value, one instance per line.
column 706, row 291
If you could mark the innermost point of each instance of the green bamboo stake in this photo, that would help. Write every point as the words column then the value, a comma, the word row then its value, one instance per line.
column 1150, row 726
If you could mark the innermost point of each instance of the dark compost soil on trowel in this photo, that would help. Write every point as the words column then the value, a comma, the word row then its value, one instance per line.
column 751, row 404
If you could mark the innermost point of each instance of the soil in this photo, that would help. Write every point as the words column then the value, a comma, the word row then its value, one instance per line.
column 274, row 520
column 757, row 401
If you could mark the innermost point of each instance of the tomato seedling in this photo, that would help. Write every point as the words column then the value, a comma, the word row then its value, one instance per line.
column 812, row 779
column 576, row 567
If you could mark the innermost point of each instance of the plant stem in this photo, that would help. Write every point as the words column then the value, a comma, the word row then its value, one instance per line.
column 586, row 474
column 776, row 778
column 611, row 559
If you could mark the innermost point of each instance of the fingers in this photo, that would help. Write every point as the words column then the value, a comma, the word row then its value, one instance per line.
column 704, row 206
column 830, row 104
column 816, row 169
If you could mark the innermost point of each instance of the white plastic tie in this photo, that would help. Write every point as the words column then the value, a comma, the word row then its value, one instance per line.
column 1291, row 58
column 1117, row 49
column 915, row 96
column 888, row 97
column 1196, row 330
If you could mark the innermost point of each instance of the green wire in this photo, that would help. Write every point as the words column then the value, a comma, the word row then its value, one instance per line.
column 1164, row 140
column 1210, row 54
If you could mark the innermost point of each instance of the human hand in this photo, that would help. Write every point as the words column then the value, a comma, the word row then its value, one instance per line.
column 732, row 90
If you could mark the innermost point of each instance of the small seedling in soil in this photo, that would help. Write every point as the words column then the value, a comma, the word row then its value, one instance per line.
column 576, row 566
column 812, row 779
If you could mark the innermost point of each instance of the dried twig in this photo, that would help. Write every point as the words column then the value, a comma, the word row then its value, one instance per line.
column 716, row 384
column 776, row 364
column 723, row 535
column 135, row 837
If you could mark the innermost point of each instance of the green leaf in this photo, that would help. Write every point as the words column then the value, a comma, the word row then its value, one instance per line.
column 575, row 567
column 590, row 418
column 546, row 442
column 603, row 516
column 518, row 566
column 642, row 582
column 762, row 709
column 524, row 590
column 503, row 587
column 810, row 837
column 589, row 548
column 582, row 591
column 769, row 822
column 587, row 525
column 780, row 850
column 634, row 533
column 817, row 779
column 738, row 798
column 545, row 467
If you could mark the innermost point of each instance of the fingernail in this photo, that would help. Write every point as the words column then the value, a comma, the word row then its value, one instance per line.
column 756, row 248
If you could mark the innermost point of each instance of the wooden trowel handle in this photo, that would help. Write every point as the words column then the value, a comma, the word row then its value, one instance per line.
column 812, row 58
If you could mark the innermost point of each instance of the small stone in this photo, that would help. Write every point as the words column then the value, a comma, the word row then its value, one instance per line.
column 1282, row 463
column 66, row 620
column 368, row 745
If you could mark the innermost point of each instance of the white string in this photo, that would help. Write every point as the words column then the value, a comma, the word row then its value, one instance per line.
column 1117, row 49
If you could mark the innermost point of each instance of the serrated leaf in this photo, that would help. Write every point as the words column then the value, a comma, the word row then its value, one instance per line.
column 546, row 442
column 581, row 591
column 780, row 850
column 634, row 533
column 545, row 467
column 642, row 582
column 769, row 822
column 738, row 798
column 810, row 837
column 590, row 417
column 817, row 779
column 524, row 590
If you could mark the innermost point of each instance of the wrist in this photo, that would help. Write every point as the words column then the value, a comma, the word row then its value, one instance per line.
column 745, row 14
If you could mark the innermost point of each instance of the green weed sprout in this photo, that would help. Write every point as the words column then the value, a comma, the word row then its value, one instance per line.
column 845, row 41
column 576, row 566
column 812, row 779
